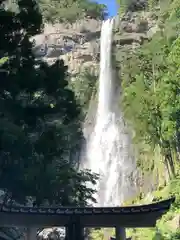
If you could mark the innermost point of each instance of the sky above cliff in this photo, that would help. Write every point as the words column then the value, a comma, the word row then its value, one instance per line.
column 111, row 5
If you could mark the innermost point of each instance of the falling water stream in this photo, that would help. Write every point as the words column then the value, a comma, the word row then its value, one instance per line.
column 108, row 150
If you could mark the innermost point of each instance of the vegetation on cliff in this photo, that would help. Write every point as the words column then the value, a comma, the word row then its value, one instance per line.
column 71, row 10
column 85, row 89
column 150, row 101
column 66, row 10
column 151, row 90
column 39, row 118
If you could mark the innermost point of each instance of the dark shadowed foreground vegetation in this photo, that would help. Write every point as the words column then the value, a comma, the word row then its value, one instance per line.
column 40, row 128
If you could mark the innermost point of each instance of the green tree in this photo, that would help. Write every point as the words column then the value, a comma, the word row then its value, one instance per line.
column 85, row 88
column 151, row 90
column 39, row 119
column 71, row 10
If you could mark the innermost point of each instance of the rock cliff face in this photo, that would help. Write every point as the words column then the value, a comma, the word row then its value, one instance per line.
column 133, row 29
column 77, row 44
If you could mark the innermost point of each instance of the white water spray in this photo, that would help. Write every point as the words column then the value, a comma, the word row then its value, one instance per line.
column 108, row 151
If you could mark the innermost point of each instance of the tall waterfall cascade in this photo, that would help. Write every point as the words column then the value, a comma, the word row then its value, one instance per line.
column 108, row 150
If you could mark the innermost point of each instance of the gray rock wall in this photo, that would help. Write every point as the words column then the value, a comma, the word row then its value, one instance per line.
column 77, row 44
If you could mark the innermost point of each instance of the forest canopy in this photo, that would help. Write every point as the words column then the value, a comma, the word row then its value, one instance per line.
column 71, row 10
column 67, row 10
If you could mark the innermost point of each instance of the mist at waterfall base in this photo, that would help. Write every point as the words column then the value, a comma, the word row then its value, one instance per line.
column 109, row 150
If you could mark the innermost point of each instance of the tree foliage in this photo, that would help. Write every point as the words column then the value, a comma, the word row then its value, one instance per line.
column 66, row 10
column 85, row 86
column 40, row 127
column 71, row 10
column 151, row 88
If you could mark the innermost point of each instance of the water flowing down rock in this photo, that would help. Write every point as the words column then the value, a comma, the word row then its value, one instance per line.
column 108, row 150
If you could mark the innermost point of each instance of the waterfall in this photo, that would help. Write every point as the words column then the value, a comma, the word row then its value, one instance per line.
column 108, row 150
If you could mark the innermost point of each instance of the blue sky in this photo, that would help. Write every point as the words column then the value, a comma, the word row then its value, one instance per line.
column 111, row 4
